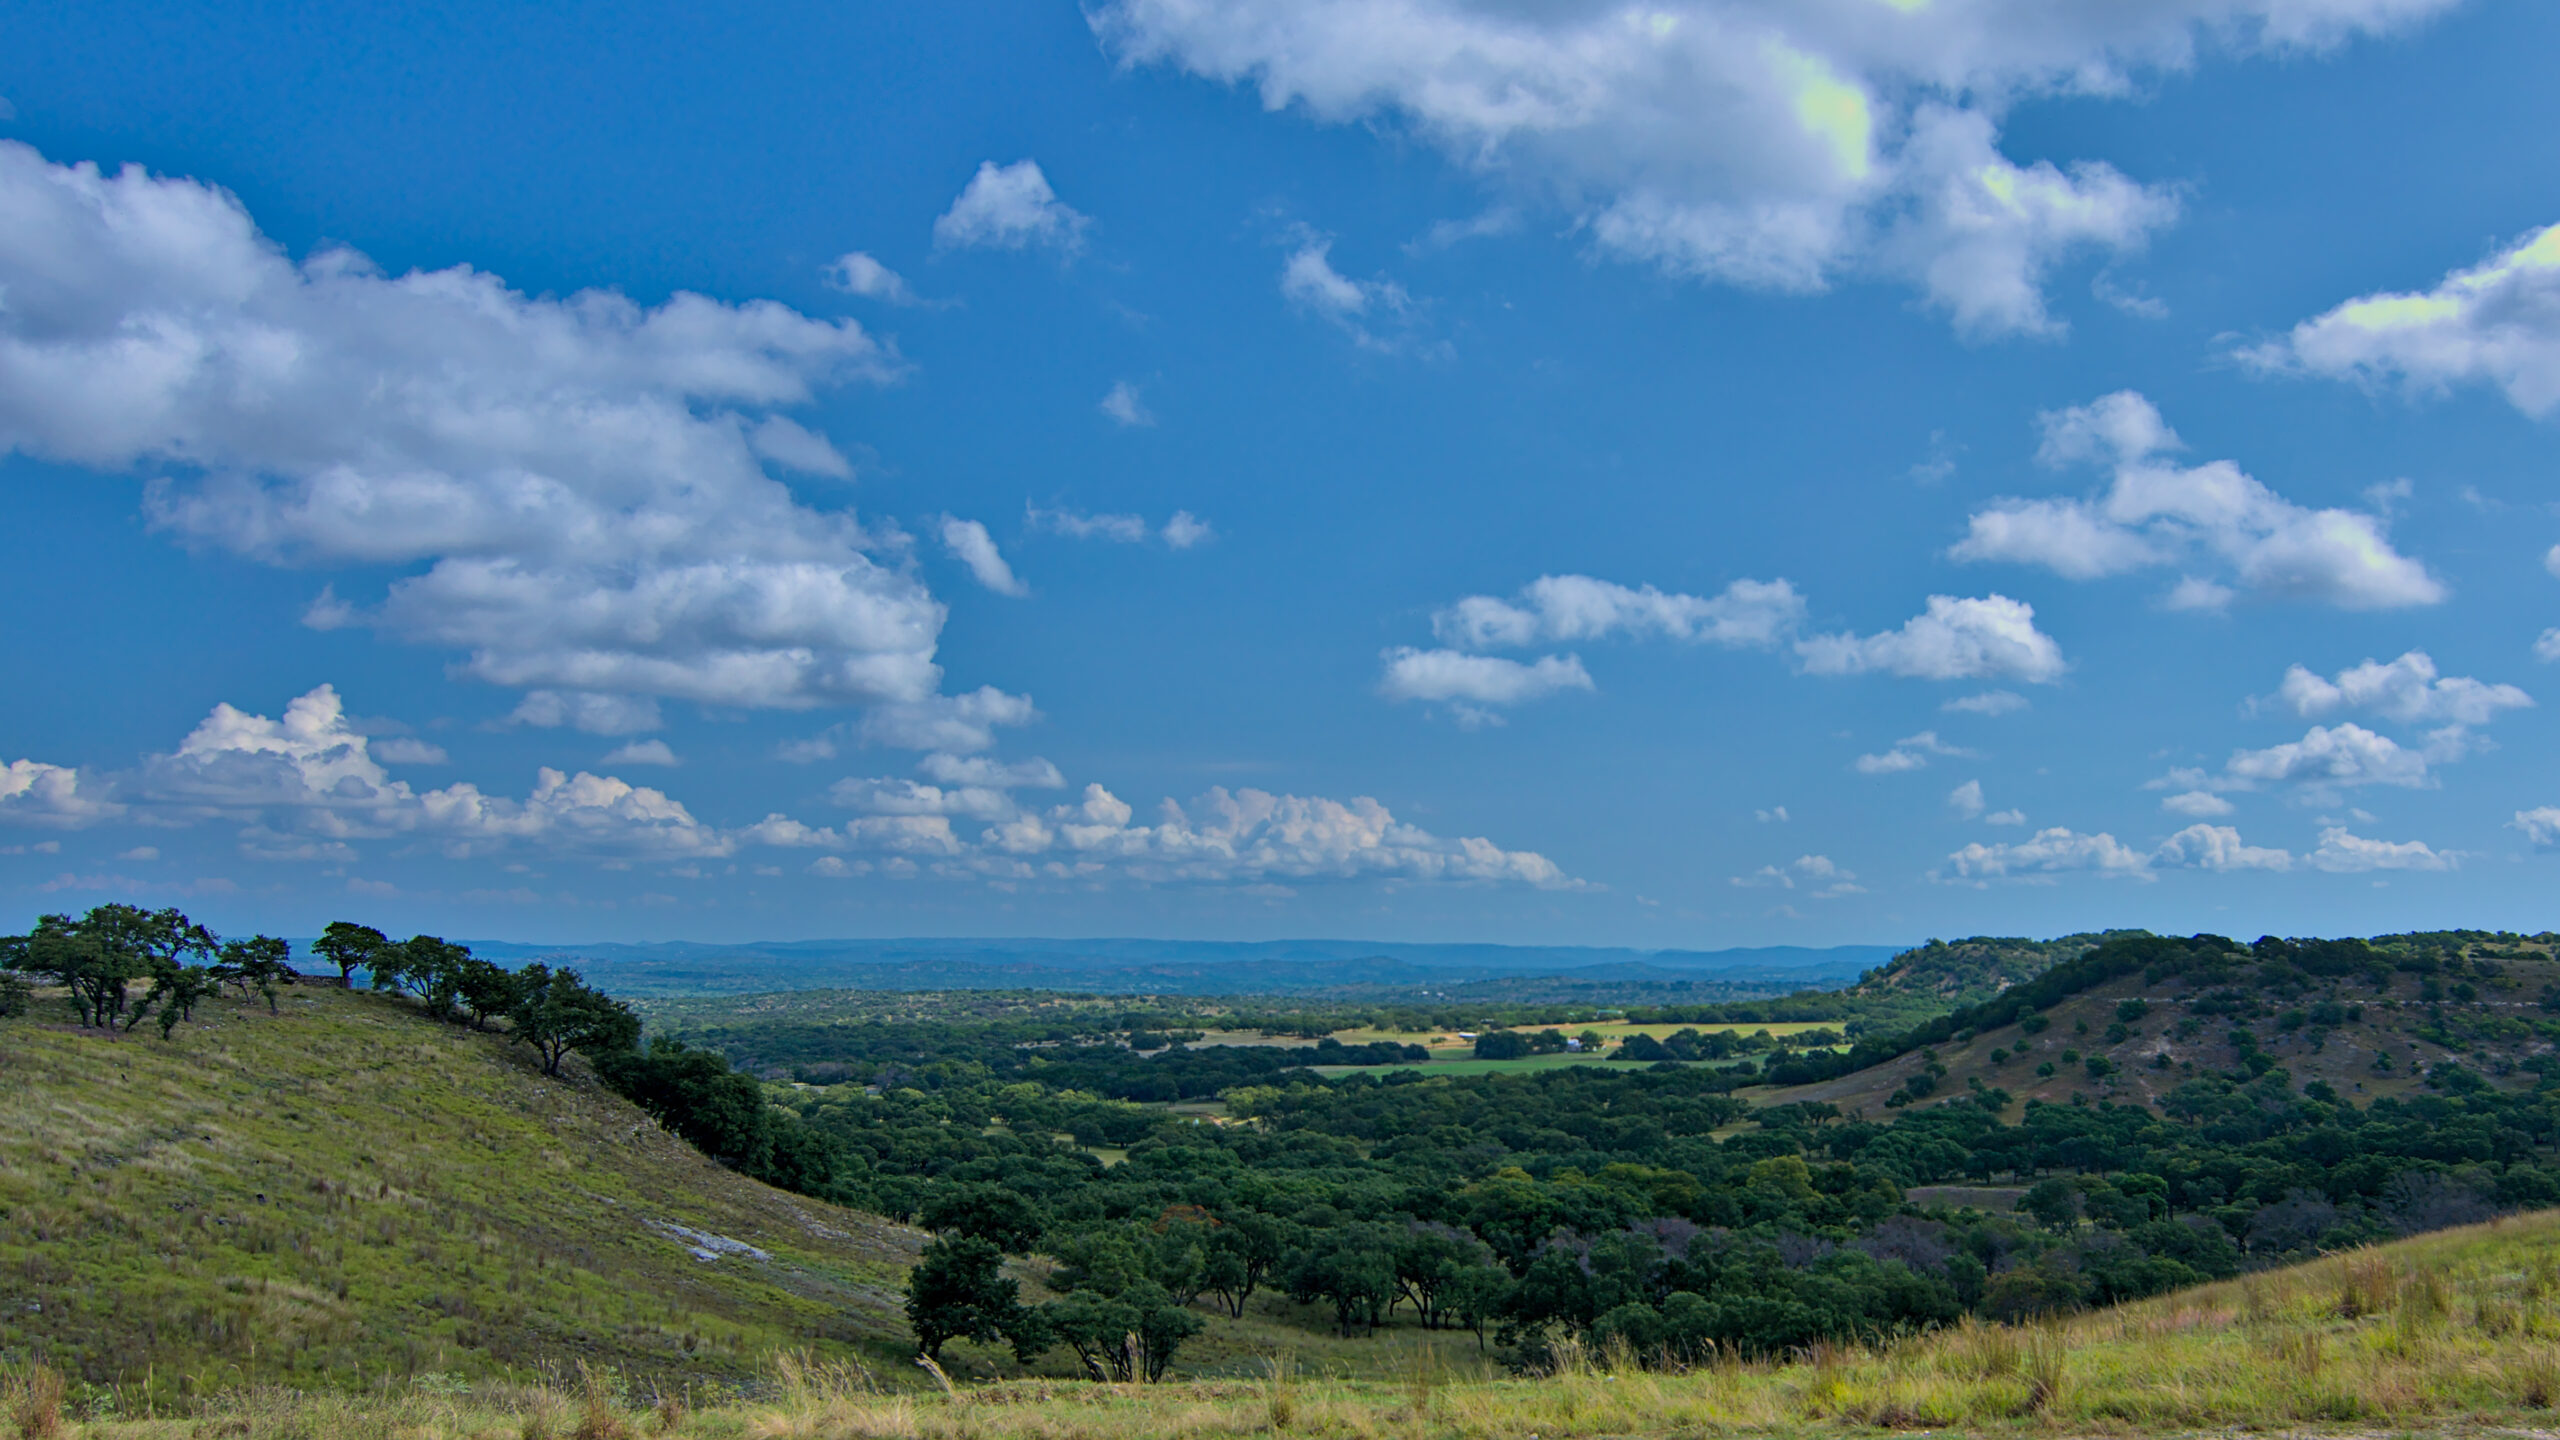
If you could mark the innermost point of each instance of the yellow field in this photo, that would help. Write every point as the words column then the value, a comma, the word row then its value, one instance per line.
column 1611, row 1031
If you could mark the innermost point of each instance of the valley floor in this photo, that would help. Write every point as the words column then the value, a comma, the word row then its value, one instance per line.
column 2452, row 1332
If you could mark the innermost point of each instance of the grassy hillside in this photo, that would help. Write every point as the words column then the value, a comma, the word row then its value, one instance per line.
column 2451, row 1332
column 346, row 1192
column 2479, row 1004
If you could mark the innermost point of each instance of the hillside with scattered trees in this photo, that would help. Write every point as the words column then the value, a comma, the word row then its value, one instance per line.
column 301, row 1185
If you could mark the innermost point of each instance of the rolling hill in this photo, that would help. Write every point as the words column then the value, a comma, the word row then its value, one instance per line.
column 2462, row 1008
column 346, row 1189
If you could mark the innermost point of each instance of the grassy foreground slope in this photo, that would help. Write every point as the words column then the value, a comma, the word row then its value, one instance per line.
column 347, row 1191
column 2451, row 1331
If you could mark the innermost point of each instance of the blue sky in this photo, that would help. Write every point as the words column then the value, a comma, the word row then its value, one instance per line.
column 1712, row 473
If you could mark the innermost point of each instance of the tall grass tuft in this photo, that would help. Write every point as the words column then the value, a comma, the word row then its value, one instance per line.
column 2424, row 1298
column 543, row 1411
column 596, row 1417
column 1424, row 1378
column 2298, row 1351
column 1279, row 1395
column 1823, row 1389
column 1975, row 1351
column 2045, row 1364
column 2537, row 1380
column 2367, row 1283
column 35, row 1402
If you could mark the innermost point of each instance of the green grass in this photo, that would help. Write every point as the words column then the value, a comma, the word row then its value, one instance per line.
column 348, row 1194
column 2455, row 1333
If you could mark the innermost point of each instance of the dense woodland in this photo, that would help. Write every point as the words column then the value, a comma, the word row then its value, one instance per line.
column 1658, row 1198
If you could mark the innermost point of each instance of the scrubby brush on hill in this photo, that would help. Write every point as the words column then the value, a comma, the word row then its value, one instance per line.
column 2136, row 1020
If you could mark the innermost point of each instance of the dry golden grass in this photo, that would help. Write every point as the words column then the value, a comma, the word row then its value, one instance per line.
column 2457, row 1330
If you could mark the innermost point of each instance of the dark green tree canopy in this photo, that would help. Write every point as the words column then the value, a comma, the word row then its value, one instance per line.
column 958, row 1291
column 556, row 1011
column 100, row 956
column 350, row 947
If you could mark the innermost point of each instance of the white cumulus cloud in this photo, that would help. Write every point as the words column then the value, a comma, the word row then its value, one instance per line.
column 2328, row 757
column 402, row 750
column 969, row 543
column 2220, row 848
column 960, row 724
column 1125, row 406
column 1912, row 752
column 2346, row 854
column 1034, row 774
column 594, row 714
column 1555, row 609
column 2408, row 690
column 568, row 491
column 2157, row 513
column 306, row 785
column 856, row 273
column 1966, row 799
column 1239, row 837
column 1815, row 873
column 33, row 792
column 2198, row 804
column 1738, row 141
column 2058, row 851
column 2047, row 853
column 2497, row 323
column 1363, row 309
column 1181, row 532
column 1989, row 702
column 2541, row 825
column 1451, row 675
column 1010, row 207
column 1993, row 637
column 643, row 752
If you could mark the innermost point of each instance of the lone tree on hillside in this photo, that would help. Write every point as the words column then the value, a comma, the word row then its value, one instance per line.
column 485, row 990
column 176, row 991
column 427, row 966
column 350, row 947
column 556, row 1011
column 259, row 963
column 958, row 1291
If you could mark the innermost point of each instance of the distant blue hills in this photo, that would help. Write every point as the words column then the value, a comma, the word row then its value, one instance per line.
column 1193, row 967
